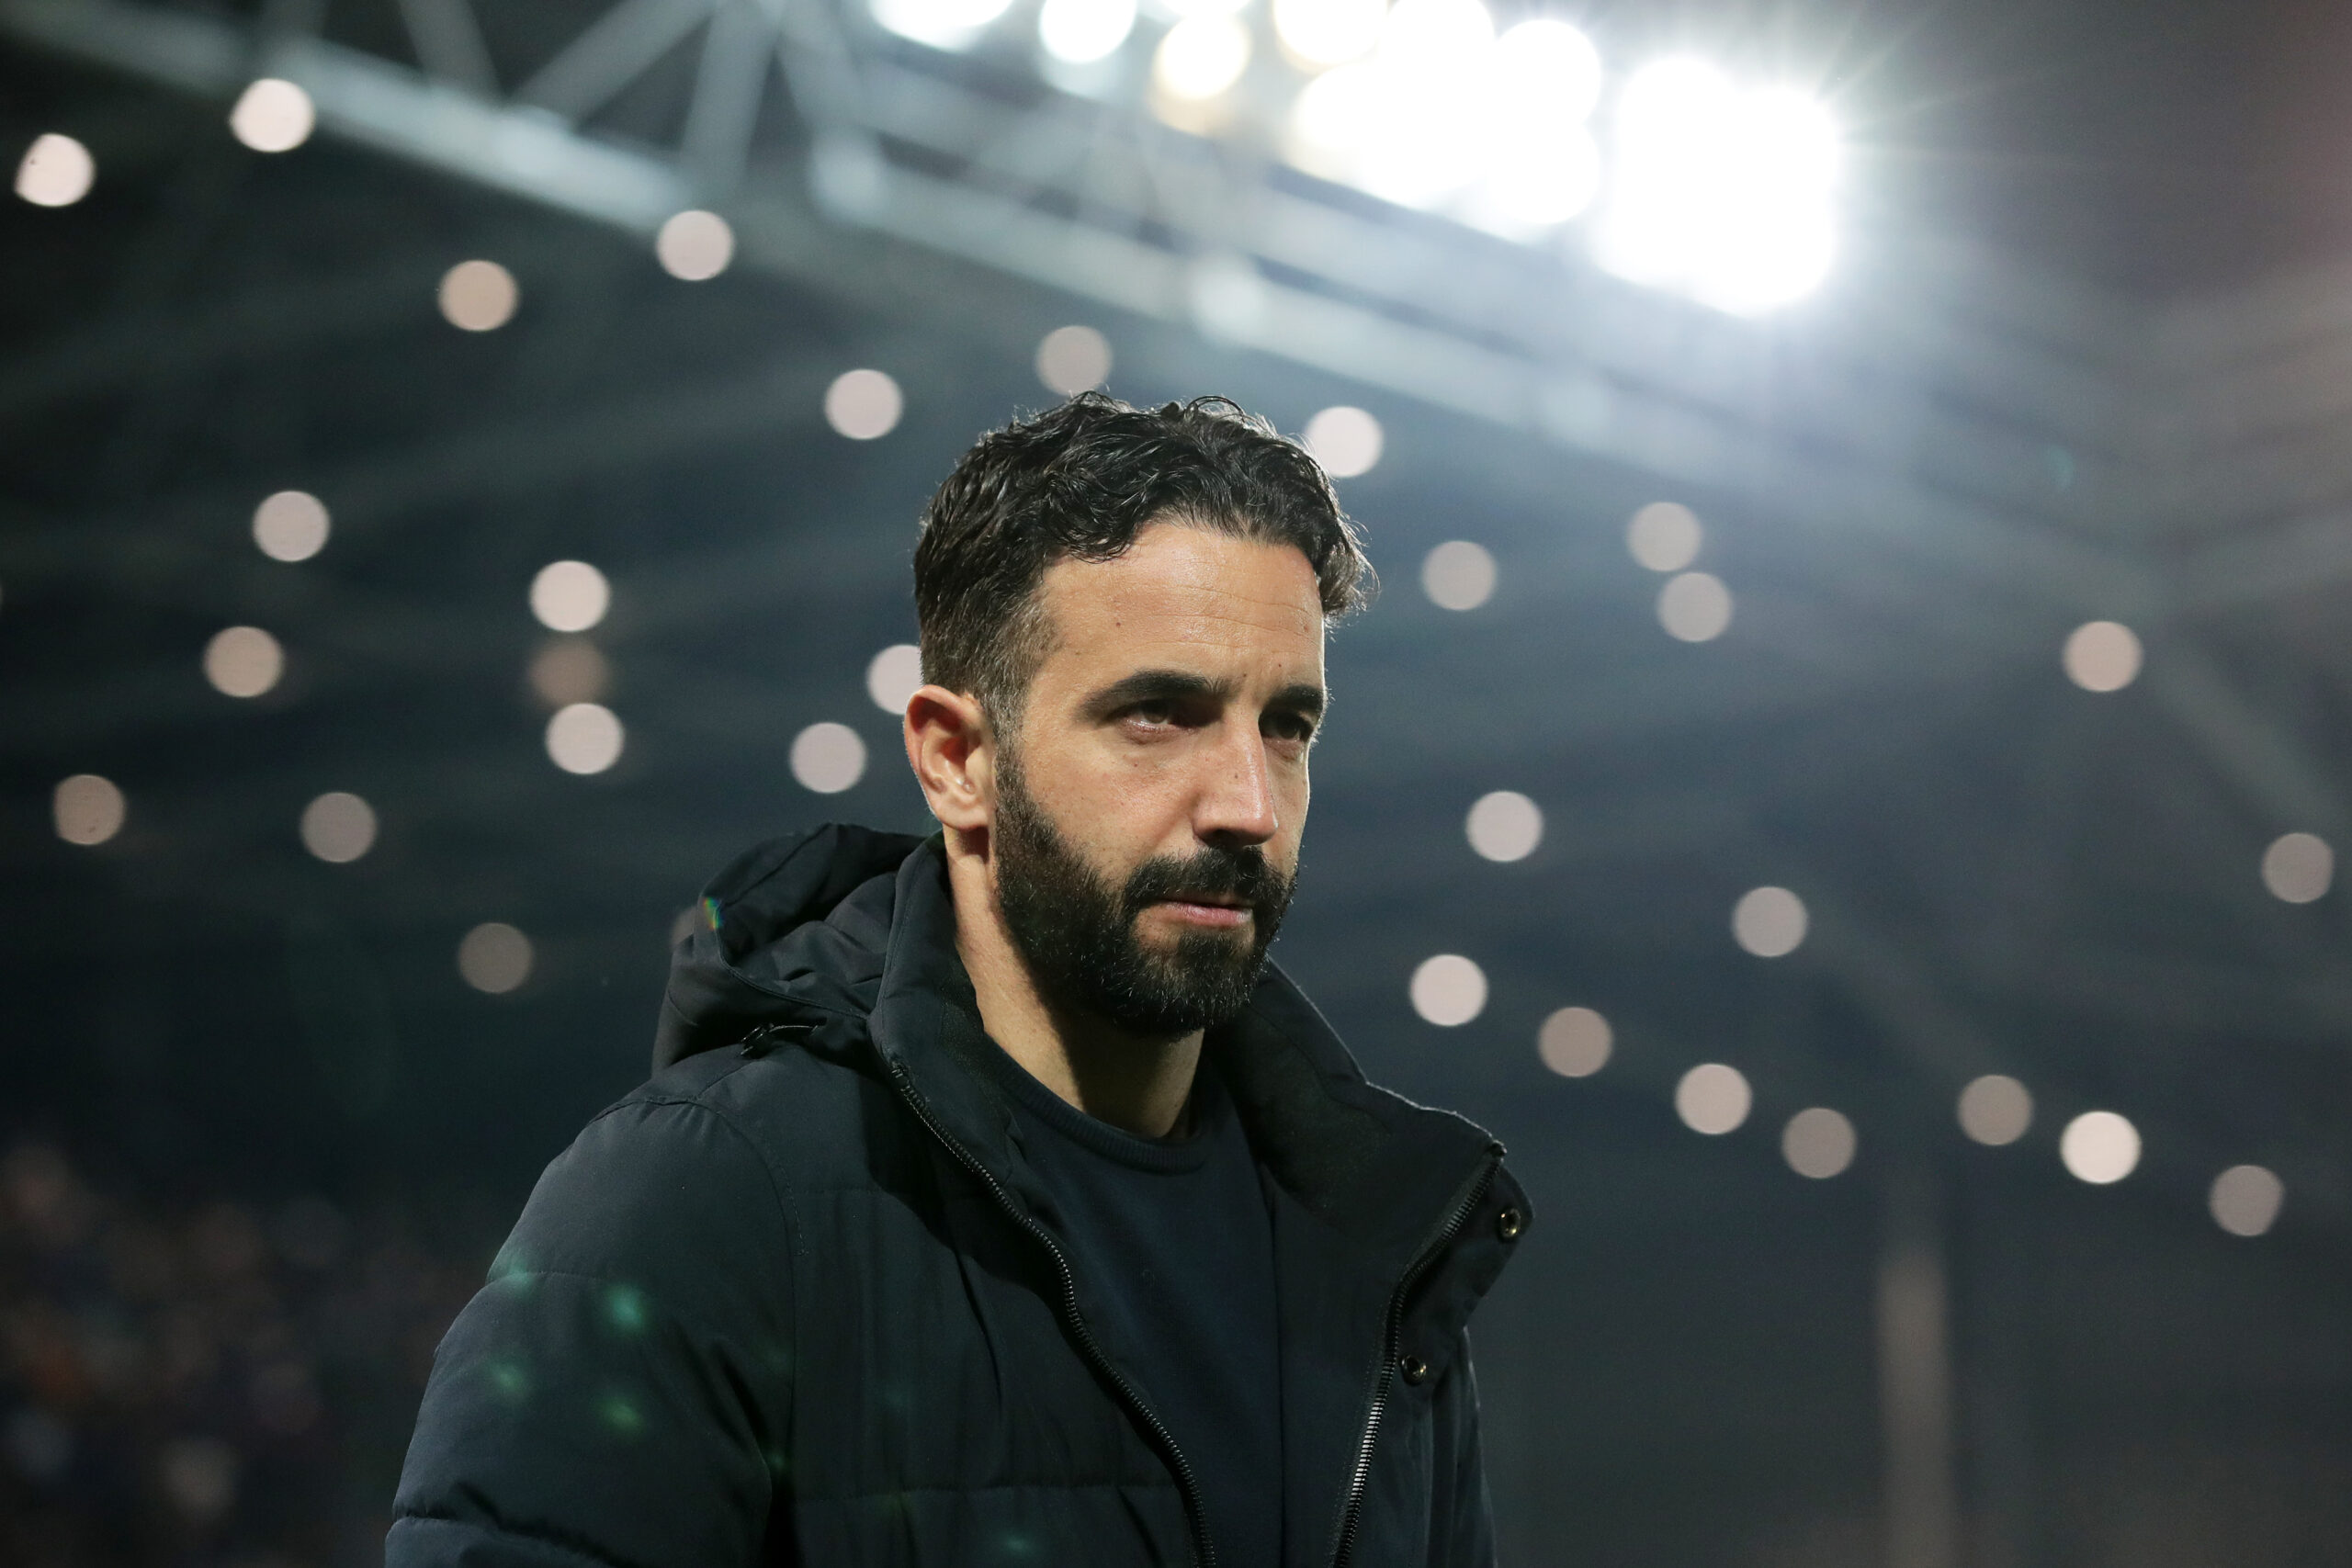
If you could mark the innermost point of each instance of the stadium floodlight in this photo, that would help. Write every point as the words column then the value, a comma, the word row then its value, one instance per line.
column 1547, row 77
column 1329, row 32
column 1201, row 57
column 1723, row 193
column 942, row 24
column 1079, row 32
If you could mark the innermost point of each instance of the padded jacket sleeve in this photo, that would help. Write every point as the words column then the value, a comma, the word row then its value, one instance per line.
column 618, row 1394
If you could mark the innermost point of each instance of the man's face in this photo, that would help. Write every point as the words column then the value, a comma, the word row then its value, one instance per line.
column 1148, row 814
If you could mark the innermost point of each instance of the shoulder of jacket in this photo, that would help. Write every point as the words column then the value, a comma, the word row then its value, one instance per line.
column 807, row 1112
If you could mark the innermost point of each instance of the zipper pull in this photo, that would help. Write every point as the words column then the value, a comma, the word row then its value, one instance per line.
column 768, row 1036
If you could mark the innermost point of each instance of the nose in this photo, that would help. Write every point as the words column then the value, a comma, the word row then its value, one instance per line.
column 1237, row 807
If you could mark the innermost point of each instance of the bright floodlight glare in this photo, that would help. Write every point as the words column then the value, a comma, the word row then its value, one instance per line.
column 584, row 738
column 1505, row 826
column 339, row 827
column 1346, row 441
column 1694, row 607
column 1665, row 536
column 864, row 404
column 1818, row 1142
column 570, row 596
column 1768, row 922
column 1073, row 359
column 827, row 758
column 2099, row 1148
column 1995, row 1109
column 695, row 246
column 1201, row 57
column 2246, row 1199
column 1079, row 32
column 495, row 957
column 1725, row 195
column 1448, row 990
column 1335, row 116
column 479, row 295
column 56, row 170
column 570, row 669
column 942, row 24
column 290, row 525
column 895, row 676
column 1328, row 32
column 88, row 809
column 1458, row 575
column 243, row 661
column 1713, row 1099
column 1547, row 76
column 1532, row 183
column 272, row 115
column 2299, row 867
column 2102, row 656
column 1574, row 1042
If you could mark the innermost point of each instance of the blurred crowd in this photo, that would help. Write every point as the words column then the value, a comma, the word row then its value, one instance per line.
column 206, row 1384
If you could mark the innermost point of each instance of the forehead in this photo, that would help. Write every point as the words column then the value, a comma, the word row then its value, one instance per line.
column 1185, row 596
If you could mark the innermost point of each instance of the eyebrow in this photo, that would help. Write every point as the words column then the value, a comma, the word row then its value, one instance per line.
column 1179, row 685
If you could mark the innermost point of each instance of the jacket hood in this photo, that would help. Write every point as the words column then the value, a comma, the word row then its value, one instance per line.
column 778, row 932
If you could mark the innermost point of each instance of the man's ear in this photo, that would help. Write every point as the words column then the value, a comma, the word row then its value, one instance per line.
column 953, row 753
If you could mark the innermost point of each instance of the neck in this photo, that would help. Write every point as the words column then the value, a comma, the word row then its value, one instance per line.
column 1138, row 1085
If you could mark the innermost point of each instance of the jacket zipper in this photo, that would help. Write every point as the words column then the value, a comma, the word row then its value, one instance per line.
column 1352, row 1512
column 1196, row 1515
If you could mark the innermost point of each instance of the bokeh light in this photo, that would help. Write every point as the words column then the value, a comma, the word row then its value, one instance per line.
column 1458, row 575
column 584, row 738
column 243, row 661
column 894, row 675
column 1713, row 1099
column 1574, row 1042
column 87, row 809
column 570, row 596
column 1995, row 1109
column 1346, row 441
column 2102, row 656
column 1818, row 1142
column 1769, row 922
column 2299, row 867
column 339, row 827
column 1073, row 359
column 695, row 246
column 479, row 295
column 864, row 404
column 1505, row 826
column 56, row 170
column 942, row 24
column 290, row 525
column 827, row 758
column 1694, row 607
column 1665, row 536
column 272, row 115
column 1079, row 32
column 1317, row 33
column 2246, row 1199
column 1201, row 57
column 2099, row 1148
column 1448, row 990
column 495, row 958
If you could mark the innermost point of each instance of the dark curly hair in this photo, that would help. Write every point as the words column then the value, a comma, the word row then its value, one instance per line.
column 1082, row 480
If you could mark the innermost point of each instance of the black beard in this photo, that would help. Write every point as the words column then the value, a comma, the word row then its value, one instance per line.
column 1076, row 932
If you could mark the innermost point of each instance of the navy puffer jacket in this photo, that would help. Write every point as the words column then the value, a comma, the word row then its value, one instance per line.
column 798, row 1299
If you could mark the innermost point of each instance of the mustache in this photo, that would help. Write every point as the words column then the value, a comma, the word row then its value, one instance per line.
column 1242, row 874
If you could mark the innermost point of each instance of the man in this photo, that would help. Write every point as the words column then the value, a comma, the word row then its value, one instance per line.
column 994, row 1201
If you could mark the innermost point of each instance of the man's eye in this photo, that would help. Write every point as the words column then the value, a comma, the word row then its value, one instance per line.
column 1289, row 727
column 1153, row 713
